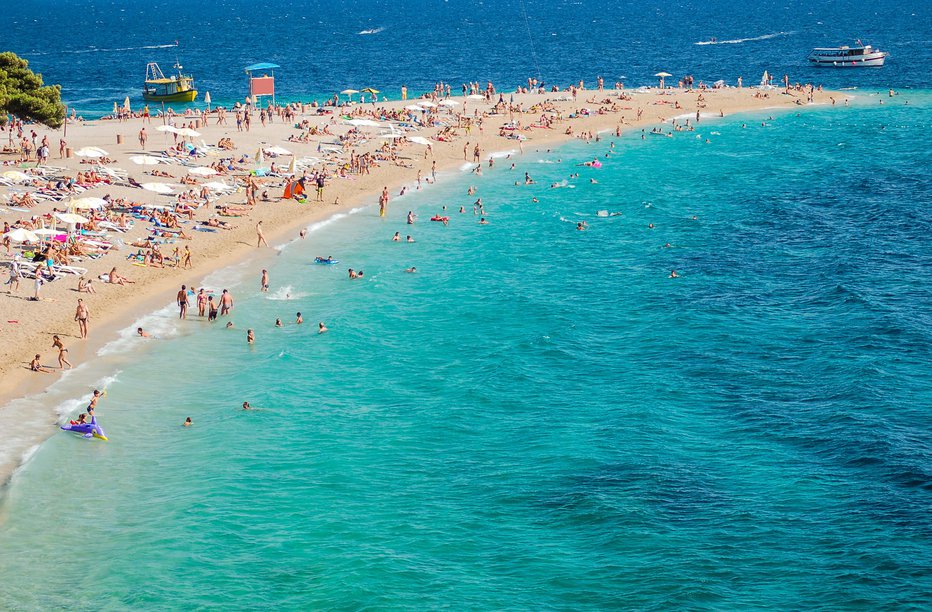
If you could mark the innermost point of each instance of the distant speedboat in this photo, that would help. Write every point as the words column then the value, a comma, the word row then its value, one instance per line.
column 158, row 88
column 847, row 57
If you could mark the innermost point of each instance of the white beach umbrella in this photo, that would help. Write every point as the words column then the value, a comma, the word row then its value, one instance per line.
column 291, row 166
column 277, row 151
column 167, row 128
column 45, row 231
column 419, row 140
column 662, row 76
column 88, row 203
column 427, row 104
column 126, row 106
column 207, row 101
column 91, row 152
column 16, row 175
column 449, row 103
column 188, row 132
column 349, row 92
column 363, row 123
column 202, row 171
column 145, row 160
column 260, row 156
column 163, row 188
column 414, row 107
column 21, row 235
column 475, row 97
column 218, row 186
column 71, row 218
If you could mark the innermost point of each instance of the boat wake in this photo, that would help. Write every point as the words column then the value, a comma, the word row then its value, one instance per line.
column 737, row 41
column 372, row 31
column 98, row 50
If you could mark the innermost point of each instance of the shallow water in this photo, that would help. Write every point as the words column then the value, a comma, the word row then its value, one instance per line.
column 539, row 417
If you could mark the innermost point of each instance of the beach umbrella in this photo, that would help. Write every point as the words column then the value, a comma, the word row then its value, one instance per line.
column 349, row 92
column 419, row 140
column 21, row 235
column 202, row 171
column 475, row 97
column 291, row 166
column 218, row 186
column 662, row 76
column 87, row 203
column 449, row 103
column 427, row 104
column 163, row 188
column 126, row 106
column 167, row 128
column 260, row 156
column 145, row 160
column 45, row 231
column 363, row 123
column 188, row 132
column 277, row 151
column 371, row 90
column 414, row 107
column 71, row 218
column 91, row 152
column 207, row 101
column 116, row 109
column 16, row 175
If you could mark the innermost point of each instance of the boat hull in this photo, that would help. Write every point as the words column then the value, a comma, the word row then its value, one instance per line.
column 180, row 96
column 872, row 60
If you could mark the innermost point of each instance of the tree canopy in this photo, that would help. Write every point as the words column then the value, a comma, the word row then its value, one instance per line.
column 23, row 94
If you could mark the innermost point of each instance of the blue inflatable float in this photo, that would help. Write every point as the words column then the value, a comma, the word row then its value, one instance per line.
column 88, row 430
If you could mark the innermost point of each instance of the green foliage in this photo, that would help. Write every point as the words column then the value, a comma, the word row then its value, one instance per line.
column 23, row 94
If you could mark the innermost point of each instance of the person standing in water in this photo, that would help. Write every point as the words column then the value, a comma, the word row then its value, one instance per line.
column 182, row 299
column 264, row 282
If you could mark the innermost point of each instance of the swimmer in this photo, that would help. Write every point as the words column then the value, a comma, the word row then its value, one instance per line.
column 535, row 200
column 352, row 273
column 482, row 221
column 462, row 209
column 142, row 333
column 246, row 406
column 411, row 270
column 278, row 323
column 409, row 239
column 673, row 274
column 582, row 226
column 187, row 422
column 592, row 181
column 299, row 320
column 650, row 226
column 250, row 336
column 396, row 237
column 229, row 325
column 321, row 328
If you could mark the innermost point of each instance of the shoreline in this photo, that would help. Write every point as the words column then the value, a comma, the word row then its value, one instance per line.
column 229, row 249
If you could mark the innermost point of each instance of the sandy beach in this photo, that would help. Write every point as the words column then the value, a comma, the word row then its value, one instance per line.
column 27, row 327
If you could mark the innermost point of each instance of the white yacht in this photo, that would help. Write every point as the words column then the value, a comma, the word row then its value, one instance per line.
column 847, row 57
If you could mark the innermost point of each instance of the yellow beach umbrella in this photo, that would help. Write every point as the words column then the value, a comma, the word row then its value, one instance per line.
column 126, row 104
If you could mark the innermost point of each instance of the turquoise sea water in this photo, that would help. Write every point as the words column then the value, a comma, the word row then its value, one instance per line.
column 539, row 417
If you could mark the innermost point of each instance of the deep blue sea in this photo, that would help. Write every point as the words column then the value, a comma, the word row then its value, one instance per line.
column 538, row 418
column 98, row 50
